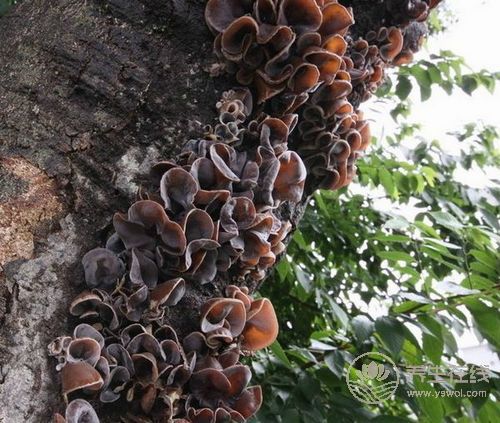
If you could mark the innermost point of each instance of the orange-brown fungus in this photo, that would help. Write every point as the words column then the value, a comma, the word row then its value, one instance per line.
column 214, row 221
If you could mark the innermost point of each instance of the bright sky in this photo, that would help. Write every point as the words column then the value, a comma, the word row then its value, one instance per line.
column 475, row 37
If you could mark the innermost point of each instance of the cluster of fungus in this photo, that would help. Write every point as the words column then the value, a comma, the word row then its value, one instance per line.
column 299, row 57
column 140, row 362
column 211, row 221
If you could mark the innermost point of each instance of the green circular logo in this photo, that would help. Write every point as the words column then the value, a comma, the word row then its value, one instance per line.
column 377, row 380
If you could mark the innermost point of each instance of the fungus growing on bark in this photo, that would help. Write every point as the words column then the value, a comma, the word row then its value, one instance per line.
column 102, row 267
column 78, row 411
column 149, row 369
column 225, row 319
column 261, row 327
column 80, row 376
column 285, row 49
column 215, row 215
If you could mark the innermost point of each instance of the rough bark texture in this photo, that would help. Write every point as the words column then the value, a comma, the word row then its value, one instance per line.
column 91, row 93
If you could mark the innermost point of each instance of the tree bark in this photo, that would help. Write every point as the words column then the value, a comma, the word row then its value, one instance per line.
column 91, row 93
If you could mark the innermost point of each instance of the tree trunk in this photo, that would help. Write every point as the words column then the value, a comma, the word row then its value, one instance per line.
column 91, row 93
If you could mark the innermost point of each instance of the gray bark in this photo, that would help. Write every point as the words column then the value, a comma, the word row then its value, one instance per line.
column 91, row 93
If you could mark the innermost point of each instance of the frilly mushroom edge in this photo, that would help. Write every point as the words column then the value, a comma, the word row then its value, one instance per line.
column 212, row 214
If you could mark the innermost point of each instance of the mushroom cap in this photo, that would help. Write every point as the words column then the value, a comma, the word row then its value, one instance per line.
column 168, row 293
column 102, row 267
column 86, row 331
column 289, row 184
column 115, row 384
column 249, row 402
column 226, row 313
column 210, row 386
column 336, row 20
column 261, row 328
column 220, row 13
column 178, row 189
column 80, row 411
column 143, row 270
column 83, row 349
column 301, row 15
column 80, row 375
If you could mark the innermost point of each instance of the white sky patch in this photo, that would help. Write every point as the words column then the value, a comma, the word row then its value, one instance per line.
column 475, row 37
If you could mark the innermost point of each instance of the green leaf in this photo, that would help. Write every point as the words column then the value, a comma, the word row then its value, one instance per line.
column 302, row 355
column 403, row 87
column 280, row 354
column 392, row 334
column 429, row 230
column 387, row 181
column 442, row 243
column 434, row 73
column 283, row 268
column 392, row 238
column 424, row 81
column 447, row 220
column 292, row 415
column 335, row 362
column 429, row 174
column 362, row 327
column 299, row 239
column 406, row 307
column 432, row 340
column 309, row 386
column 303, row 278
column 483, row 269
column 430, row 405
column 485, row 258
column 396, row 256
column 339, row 314
column 469, row 84
column 477, row 281
column 486, row 318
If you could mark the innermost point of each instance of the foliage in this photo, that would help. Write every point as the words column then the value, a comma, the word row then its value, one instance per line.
column 446, row 71
column 365, row 274
column 5, row 5
column 401, row 264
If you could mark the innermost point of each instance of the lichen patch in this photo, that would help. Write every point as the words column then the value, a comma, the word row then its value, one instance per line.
column 32, row 198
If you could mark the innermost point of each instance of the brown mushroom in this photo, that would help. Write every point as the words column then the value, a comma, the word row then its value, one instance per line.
column 289, row 183
column 102, row 267
column 143, row 269
column 394, row 46
column 249, row 402
column 114, row 386
column 168, row 293
column 86, row 331
column 209, row 386
column 178, row 189
column 145, row 367
column 83, row 349
column 336, row 20
column 261, row 328
column 220, row 13
column 78, row 376
column 301, row 15
column 226, row 313
column 80, row 411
